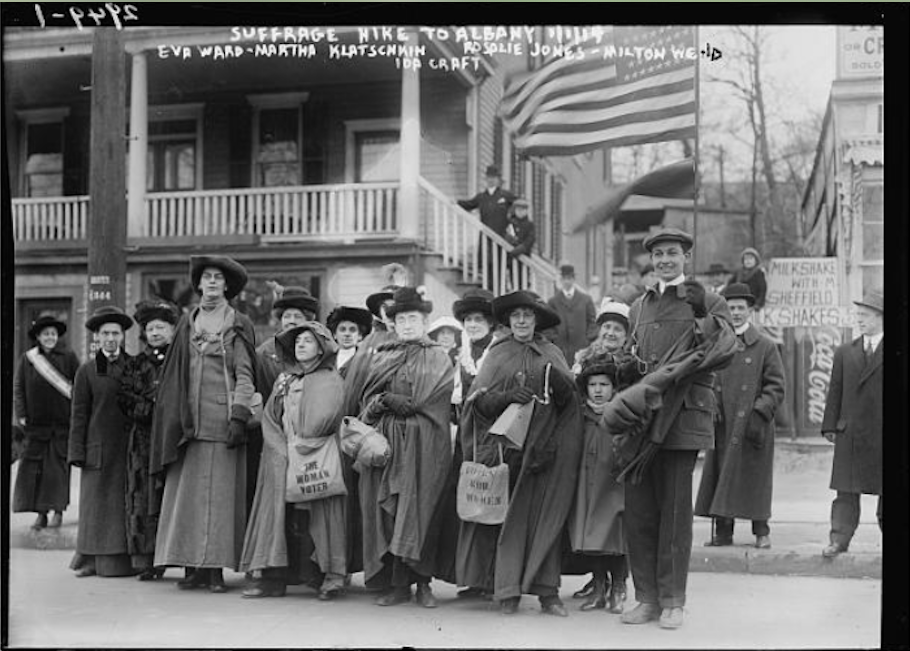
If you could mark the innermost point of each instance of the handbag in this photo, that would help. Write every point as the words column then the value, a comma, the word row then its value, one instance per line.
column 483, row 492
column 363, row 443
column 513, row 423
column 314, row 473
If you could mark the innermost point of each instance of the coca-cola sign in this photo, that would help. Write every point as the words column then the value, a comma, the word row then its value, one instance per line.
column 822, row 341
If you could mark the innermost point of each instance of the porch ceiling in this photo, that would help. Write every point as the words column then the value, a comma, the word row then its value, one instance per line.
column 42, row 82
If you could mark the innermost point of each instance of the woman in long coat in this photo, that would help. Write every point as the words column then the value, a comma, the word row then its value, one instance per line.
column 138, row 390
column 305, row 542
column 524, row 553
column 737, row 478
column 98, row 445
column 199, row 429
column 407, row 398
column 42, row 391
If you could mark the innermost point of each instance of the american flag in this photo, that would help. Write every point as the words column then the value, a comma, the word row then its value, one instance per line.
column 612, row 95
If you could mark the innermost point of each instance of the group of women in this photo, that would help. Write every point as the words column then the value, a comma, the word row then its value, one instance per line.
column 191, row 401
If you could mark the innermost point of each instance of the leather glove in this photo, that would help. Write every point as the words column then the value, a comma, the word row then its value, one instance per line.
column 695, row 296
column 755, row 430
column 399, row 404
column 237, row 426
column 521, row 395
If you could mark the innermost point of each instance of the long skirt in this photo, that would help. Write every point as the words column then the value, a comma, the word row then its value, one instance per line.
column 104, row 564
column 141, row 497
column 43, row 478
column 203, row 513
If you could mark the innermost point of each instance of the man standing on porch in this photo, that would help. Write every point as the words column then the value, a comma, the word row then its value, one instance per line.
column 493, row 203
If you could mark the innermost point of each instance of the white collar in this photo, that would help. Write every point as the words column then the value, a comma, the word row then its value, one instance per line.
column 568, row 294
column 679, row 280
column 874, row 339
column 741, row 329
column 344, row 355
column 110, row 355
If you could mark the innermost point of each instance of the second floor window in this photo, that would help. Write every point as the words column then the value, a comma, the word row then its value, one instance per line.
column 171, row 156
column 44, row 160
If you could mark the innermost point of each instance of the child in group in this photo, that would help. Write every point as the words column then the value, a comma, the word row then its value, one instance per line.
column 595, row 526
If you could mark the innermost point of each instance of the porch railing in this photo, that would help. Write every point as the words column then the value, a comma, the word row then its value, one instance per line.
column 464, row 242
column 337, row 211
column 50, row 219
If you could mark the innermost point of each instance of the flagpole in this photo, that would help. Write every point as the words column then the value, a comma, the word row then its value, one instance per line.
column 697, row 184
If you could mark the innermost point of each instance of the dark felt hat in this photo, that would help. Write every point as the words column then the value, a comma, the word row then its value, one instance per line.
column 374, row 301
column 718, row 268
column 546, row 317
column 874, row 300
column 235, row 274
column 600, row 365
column 567, row 271
column 408, row 299
column 669, row 235
column 738, row 290
column 492, row 170
column 156, row 309
column 43, row 322
column 108, row 314
column 363, row 318
column 299, row 298
column 287, row 340
column 474, row 300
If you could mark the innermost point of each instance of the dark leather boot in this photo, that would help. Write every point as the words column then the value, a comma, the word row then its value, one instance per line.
column 40, row 522
column 598, row 598
column 216, row 581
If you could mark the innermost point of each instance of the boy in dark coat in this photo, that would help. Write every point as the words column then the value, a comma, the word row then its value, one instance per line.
column 853, row 422
column 738, row 473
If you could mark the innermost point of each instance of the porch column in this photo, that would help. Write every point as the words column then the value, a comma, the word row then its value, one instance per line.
column 409, row 198
column 136, row 183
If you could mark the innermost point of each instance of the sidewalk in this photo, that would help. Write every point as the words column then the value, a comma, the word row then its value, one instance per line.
column 799, row 525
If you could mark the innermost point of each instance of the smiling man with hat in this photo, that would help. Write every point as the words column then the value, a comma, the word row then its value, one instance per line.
column 98, row 445
column 738, row 473
column 853, row 421
column 673, row 317
column 42, row 393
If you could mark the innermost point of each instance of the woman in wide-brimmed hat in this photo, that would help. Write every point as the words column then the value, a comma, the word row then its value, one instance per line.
column 42, row 393
column 199, row 429
column 523, row 367
column 304, row 542
column 98, row 445
column 138, row 390
column 407, row 398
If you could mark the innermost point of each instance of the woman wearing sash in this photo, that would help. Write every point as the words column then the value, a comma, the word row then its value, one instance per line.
column 42, row 391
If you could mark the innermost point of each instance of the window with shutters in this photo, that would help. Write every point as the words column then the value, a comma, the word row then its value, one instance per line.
column 517, row 174
column 497, row 142
column 539, row 210
column 556, row 216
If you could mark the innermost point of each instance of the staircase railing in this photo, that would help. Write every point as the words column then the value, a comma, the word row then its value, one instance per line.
column 465, row 243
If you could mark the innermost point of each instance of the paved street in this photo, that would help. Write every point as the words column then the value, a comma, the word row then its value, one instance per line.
column 51, row 608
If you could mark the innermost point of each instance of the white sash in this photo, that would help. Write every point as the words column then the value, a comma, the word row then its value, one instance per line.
column 48, row 372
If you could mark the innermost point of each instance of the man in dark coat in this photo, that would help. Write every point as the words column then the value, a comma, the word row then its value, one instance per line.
column 42, row 390
column 738, row 473
column 493, row 203
column 521, row 234
column 577, row 326
column 853, row 422
column 672, row 318
column 98, row 445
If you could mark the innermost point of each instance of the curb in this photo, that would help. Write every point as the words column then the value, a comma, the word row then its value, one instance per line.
column 789, row 563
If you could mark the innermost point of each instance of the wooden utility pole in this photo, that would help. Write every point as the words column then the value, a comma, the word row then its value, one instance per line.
column 107, row 176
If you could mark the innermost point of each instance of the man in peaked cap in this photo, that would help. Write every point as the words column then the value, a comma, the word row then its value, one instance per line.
column 738, row 473
column 673, row 317
column 98, row 445
column 853, row 421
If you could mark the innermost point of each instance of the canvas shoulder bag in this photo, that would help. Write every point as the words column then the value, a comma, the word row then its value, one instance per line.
column 483, row 492
column 314, row 472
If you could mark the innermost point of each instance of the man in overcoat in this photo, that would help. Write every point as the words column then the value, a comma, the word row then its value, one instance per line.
column 853, row 422
column 673, row 317
column 738, row 473
column 577, row 326
column 493, row 203
column 98, row 445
